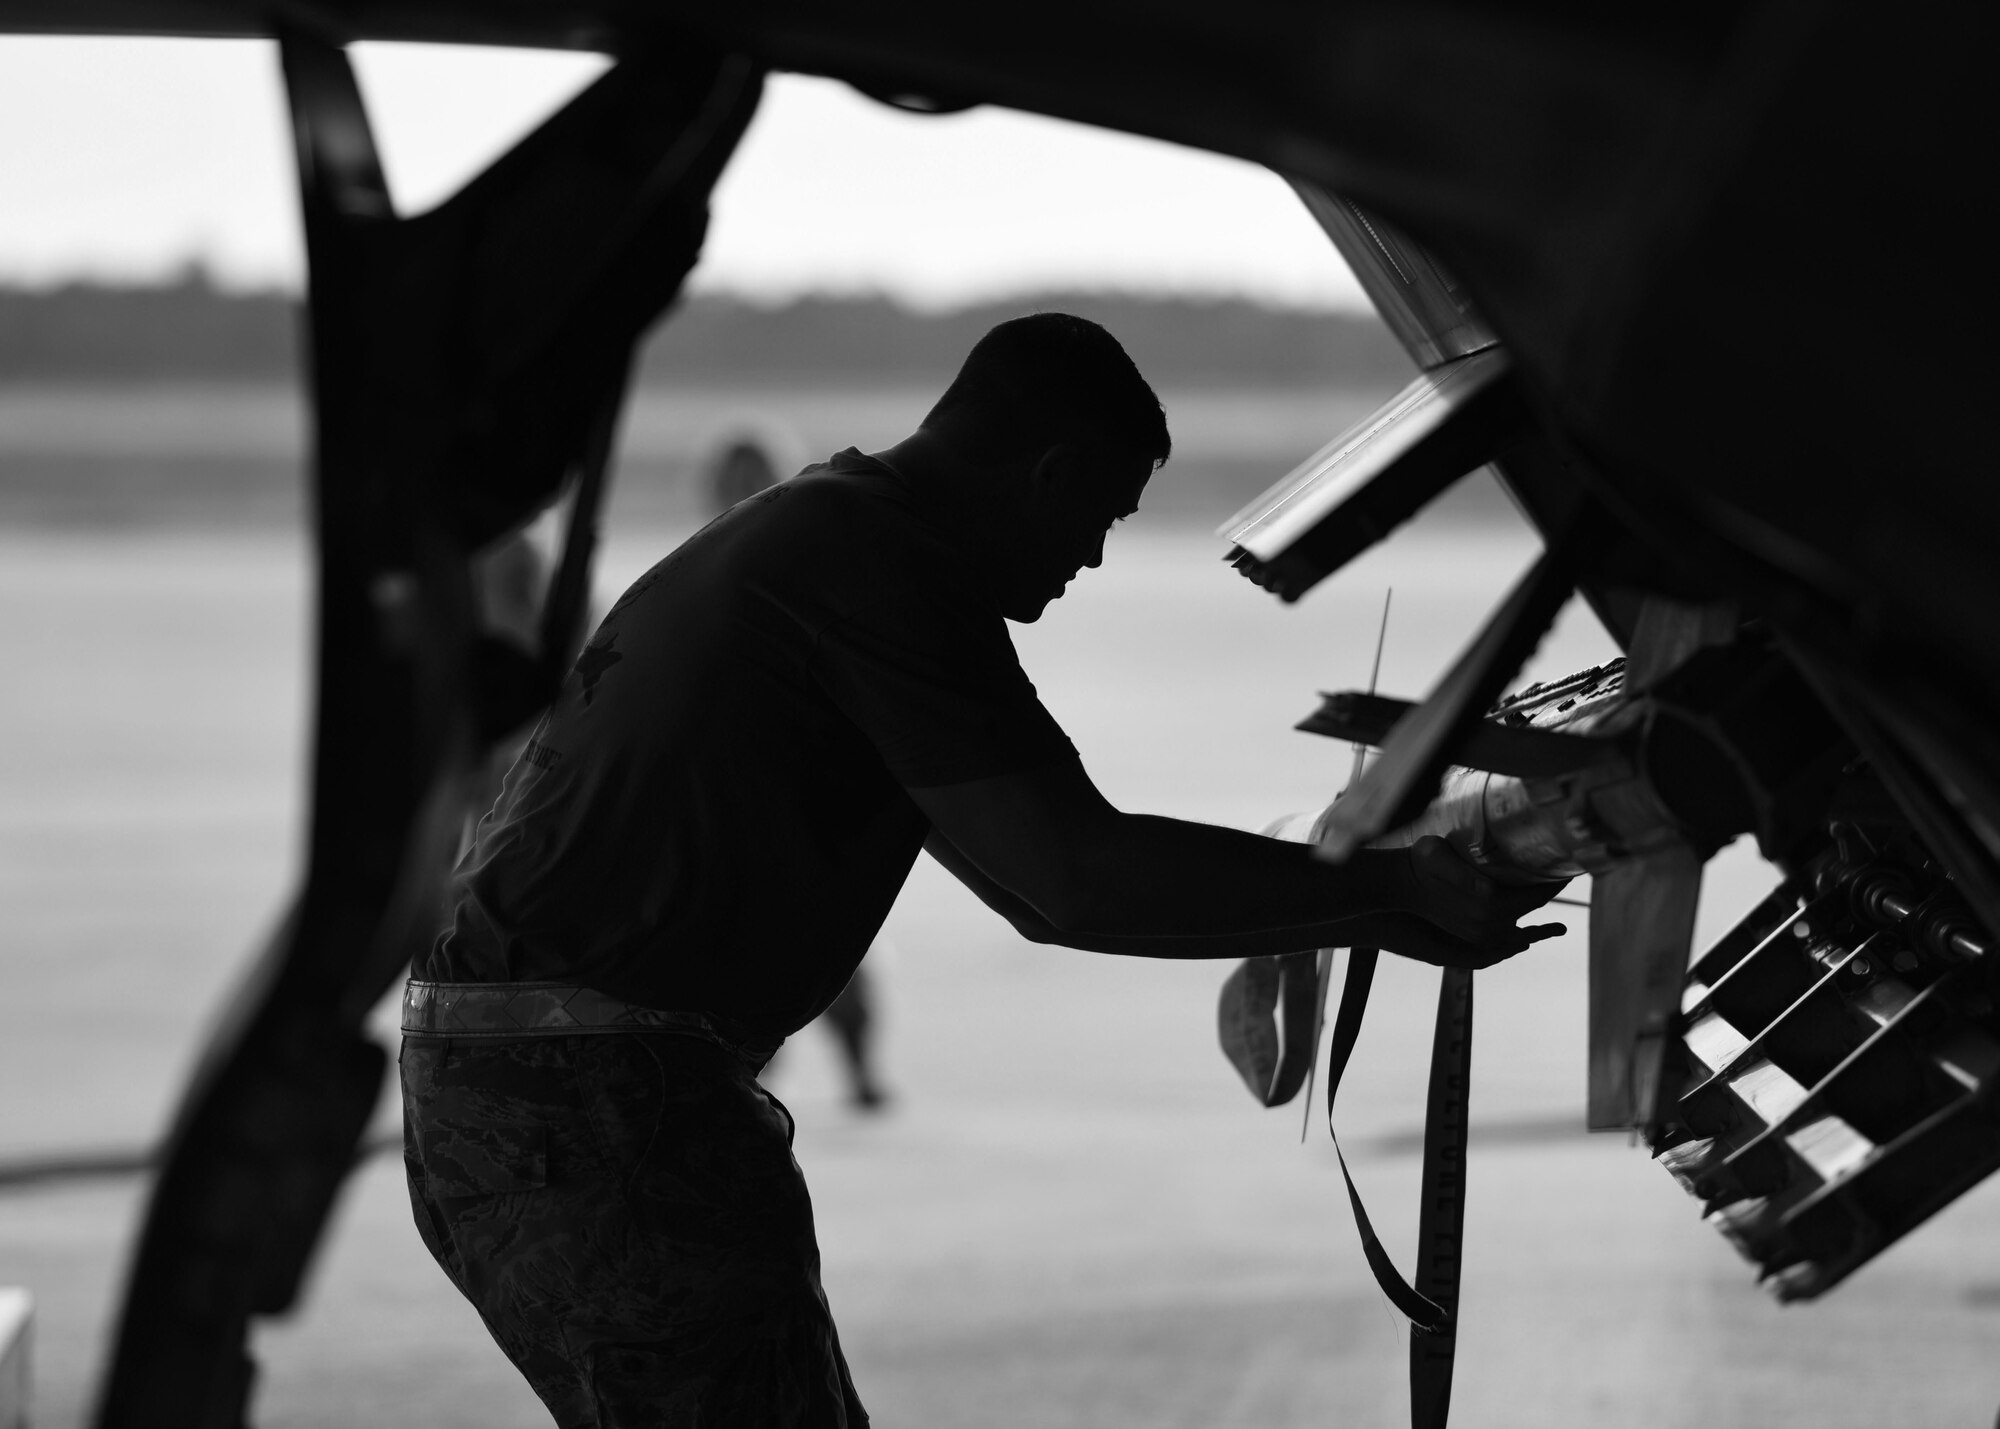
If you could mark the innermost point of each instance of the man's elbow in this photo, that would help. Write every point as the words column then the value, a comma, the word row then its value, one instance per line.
column 1070, row 877
column 1071, row 907
column 1036, row 930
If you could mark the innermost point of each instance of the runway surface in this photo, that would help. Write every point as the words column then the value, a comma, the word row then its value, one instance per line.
column 1073, row 1215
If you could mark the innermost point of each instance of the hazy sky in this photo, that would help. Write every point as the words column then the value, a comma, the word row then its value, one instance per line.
column 125, row 158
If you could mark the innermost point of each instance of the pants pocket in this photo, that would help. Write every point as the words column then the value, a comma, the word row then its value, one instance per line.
column 476, row 1120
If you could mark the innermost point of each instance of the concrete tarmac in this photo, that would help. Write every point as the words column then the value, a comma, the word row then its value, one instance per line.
column 1072, row 1215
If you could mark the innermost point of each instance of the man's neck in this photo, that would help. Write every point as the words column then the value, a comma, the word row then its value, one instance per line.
column 947, row 490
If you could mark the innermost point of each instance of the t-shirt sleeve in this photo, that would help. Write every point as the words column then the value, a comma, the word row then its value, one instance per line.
column 937, row 688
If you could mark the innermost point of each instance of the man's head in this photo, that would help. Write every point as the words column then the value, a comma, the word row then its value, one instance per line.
column 1063, row 433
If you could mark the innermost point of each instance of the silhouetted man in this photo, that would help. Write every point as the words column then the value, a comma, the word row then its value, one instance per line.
column 704, row 833
column 739, row 470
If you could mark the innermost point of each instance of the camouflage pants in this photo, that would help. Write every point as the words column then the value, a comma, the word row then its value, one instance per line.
column 625, row 1214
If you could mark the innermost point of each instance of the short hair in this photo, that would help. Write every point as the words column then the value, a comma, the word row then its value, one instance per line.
column 1054, row 377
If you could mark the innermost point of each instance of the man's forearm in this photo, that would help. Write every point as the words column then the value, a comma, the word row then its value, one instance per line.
column 1401, row 930
column 1129, row 878
column 1347, row 933
column 1045, row 849
column 1150, row 878
column 1030, row 923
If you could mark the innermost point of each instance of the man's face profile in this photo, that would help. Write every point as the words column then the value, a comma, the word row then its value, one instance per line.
column 1070, row 500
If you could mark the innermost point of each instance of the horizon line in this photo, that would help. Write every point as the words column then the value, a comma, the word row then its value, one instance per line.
column 199, row 273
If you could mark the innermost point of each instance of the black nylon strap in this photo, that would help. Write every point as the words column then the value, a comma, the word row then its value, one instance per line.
column 1441, row 1223
column 1431, row 1304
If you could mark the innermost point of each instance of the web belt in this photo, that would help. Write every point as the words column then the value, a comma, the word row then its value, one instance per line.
column 549, row 1009
column 1431, row 1304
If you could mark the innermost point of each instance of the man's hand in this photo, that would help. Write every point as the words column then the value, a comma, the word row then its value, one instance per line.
column 1452, row 915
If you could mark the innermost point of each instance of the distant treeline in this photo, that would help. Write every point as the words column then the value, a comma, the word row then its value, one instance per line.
column 190, row 329
column 1175, row 341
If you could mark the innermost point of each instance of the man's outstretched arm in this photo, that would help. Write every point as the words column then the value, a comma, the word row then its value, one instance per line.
column 1047, row 851
column 1408, row 934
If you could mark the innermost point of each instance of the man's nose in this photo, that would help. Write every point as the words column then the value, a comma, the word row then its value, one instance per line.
column 1096, row 557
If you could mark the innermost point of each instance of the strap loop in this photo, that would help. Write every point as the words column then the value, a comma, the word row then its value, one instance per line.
column 1431, row 1304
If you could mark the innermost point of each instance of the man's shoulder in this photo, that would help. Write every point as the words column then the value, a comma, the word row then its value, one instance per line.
column 838, row 541
column 845, row 485
column 834, row 512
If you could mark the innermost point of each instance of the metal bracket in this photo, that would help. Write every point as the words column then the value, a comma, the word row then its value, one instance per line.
column 1377, row 474
column 1641, row 930
column 1425, row 307
column 1399, row 784
column 1523, row 751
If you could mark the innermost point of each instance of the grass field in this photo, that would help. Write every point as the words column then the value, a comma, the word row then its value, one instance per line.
column 1073, row 1216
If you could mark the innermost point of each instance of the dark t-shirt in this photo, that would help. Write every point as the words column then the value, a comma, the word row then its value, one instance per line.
column 712, row 816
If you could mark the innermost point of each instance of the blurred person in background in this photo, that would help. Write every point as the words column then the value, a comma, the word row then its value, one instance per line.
column 708, row 827
column 740, row 468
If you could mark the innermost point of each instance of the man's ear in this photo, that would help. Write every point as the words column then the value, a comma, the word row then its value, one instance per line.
column 1055, row 469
